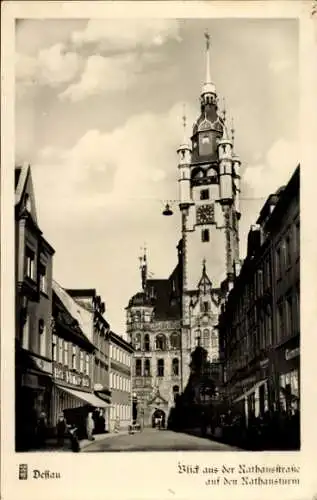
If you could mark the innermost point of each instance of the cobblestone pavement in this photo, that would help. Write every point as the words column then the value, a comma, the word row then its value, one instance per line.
column 156, row 440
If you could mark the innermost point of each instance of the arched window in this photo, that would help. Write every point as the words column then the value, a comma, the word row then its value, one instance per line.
column 138, row 367
column 137, row 342
column 160, row 367
column 137, row 316
column 175, row 366
column 146, row 342
column 147, row 368
column 206, row 338
column 160, row 342
column 175, row 340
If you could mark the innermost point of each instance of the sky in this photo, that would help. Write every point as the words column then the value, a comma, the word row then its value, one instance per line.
column 98, row 115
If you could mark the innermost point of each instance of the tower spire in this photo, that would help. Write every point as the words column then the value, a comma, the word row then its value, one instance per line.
column 208, row 87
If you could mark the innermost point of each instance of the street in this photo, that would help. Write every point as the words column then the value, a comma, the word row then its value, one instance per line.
column 155, row 440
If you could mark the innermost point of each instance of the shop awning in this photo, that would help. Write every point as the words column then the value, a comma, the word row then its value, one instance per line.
column 250, row 391
column 87, row 397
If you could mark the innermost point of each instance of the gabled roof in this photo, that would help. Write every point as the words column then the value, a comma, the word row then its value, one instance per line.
column 79, row 313
column 24, row 185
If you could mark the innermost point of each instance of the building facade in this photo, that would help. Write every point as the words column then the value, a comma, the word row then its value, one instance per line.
column 97, row 332
column 153, row 325
column 73, row 360
column 209, row 192
column 120, row 356
column 33, row 335
column 259, row 325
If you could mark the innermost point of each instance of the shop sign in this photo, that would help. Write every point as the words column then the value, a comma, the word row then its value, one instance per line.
column 42, row 364
column 63, row 373
column 291, row 353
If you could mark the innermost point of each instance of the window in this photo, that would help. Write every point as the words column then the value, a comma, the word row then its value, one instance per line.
column 288, row 252
column 66, row 361
column 111, row 380
column 204, row 194
column 206, row 338
column 205, row 235
column 279, row 263
column 175, row 340
column 280, row 322
column 160, row 342
column 175, row 367
column 205, row 307
column 160, row 367
column 60, row 350
column 138, row 367
column 147, row 368
column 81, row 361
column 54, row 350
column 43, row 279
column 289, row 315
column 30, row 260
column 137, row 342
column 42, row 337
column 146, row 342
column 175, row 389
column 87, row 363
column 297, row 240
column 269, row 325
column 74, row 353
column 26, row 332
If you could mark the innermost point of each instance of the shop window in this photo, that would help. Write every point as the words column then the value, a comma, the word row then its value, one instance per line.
column 29, row 263
column 43, row 278
column 147, row 368
column 160, row 342
column 205, row 235
column 175, row 367
column 138, row 367
column 160, row 367
column 146, row 342
column 175, row 340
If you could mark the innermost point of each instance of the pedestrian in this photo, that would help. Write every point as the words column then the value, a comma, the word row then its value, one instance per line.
column 42, row 428
column 90, row 425
column 61, row 428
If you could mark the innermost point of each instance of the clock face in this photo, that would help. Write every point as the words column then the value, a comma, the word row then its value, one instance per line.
column 205, row 214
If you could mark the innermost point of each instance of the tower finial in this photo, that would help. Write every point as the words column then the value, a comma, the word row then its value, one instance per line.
column 232, row 130
column 224, row 111
column 184, row 118
column 208, row 77
column 143, row 267
column 204, row 265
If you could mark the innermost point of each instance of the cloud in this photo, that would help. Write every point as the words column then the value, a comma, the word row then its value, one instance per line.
column 127, row 34
column 131, row 162
column 53, row 66
column 102, row 74
column 280, row 162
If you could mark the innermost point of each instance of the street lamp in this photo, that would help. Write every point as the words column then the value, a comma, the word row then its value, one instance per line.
column 167, row 210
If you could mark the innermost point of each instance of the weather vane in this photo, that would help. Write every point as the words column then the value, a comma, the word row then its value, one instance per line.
column 207, row 36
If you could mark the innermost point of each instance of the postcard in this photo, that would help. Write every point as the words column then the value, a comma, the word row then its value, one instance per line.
column 157, row 191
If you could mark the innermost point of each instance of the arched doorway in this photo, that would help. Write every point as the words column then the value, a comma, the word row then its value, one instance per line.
column 158, row 414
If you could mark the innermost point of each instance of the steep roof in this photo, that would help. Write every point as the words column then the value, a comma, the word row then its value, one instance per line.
column 79, row 313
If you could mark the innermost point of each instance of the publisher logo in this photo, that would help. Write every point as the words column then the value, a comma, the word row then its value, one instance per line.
column 23, row 471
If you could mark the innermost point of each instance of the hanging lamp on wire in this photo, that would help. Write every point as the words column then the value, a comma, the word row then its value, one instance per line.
column 167, row 210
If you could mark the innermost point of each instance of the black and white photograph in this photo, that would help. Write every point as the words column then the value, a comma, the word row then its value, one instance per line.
column 157, row 235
